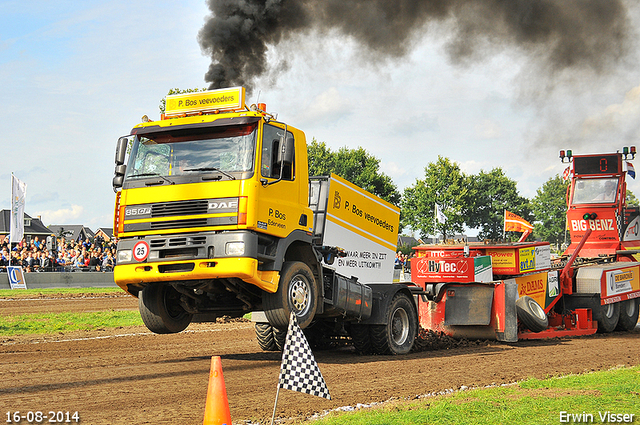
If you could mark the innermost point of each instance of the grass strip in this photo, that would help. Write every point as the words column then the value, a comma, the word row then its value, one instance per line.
column 65, row 322
column 590, row 398
column 32, row 293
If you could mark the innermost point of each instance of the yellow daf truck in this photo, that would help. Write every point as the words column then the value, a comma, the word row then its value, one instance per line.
column 216, row 214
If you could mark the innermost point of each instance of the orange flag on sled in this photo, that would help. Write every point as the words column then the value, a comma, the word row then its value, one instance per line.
column 515, row 223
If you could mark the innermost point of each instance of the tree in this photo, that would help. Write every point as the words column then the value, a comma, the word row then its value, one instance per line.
column 550, row 210
column 491, row 194
column 443, row 184
column 355, row 165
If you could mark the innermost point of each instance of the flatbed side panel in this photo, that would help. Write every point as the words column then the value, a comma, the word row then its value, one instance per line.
column 366, row 227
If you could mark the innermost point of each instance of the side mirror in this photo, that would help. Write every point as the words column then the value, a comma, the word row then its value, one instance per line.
column 117, row 182
column 121, row 150
column 121, row 168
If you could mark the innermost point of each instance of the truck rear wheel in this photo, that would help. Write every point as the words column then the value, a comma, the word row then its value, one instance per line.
column 161, row 311
column 361, row 339
column 399, row 334
column 628, row 315
column 264, row 335
column 270, row 338
column 531, row 314
column 607, row 317
column 296, row 292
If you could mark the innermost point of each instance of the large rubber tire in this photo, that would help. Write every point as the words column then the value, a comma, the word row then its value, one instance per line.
column 264, row 335
column 270, row 338
column 160, row 309
column 628, row 315
column 607, row 317
column 531, row 314
column 297, row 292
column 399, row 334
column 280, row 337
column 361, row 338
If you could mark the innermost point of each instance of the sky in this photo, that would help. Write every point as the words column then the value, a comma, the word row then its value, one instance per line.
column 78, row 75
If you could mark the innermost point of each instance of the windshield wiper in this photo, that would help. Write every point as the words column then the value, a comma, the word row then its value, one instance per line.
column 211, row 169
column 154, row 175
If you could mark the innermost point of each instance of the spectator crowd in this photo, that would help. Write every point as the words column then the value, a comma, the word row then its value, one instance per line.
column 97, row 255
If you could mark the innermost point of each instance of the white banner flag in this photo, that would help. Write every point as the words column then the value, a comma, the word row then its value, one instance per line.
column 18, row 196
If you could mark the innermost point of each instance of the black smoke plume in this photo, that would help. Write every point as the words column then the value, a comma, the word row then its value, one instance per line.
column 557, row 34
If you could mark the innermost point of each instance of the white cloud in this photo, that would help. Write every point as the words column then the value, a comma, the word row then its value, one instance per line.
column 618, row 118
column 488, row 129
column 62, row 216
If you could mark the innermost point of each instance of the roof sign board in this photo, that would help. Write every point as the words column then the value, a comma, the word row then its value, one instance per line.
column 206, row 101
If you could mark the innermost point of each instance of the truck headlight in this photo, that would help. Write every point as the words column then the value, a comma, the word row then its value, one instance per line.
column 234, row 248
column 124, row 256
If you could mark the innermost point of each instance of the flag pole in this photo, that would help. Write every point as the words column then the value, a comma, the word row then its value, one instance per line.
column 435, row 221
column 10, row 250
column 276, row 403
column 504, row 226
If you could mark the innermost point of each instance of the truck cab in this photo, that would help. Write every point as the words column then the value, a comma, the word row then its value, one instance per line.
column 212, row 206
column 596, row 200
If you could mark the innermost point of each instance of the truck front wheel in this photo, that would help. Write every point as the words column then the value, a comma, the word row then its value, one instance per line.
column 399, row 334
column 296, row 292
column 161, row 311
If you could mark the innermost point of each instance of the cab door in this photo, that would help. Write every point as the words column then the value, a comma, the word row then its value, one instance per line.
column 279, row 208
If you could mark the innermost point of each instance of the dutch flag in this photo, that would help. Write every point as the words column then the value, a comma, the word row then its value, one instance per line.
column 631, row 171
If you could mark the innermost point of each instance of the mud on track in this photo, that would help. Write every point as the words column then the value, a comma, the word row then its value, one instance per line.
column 130, row 376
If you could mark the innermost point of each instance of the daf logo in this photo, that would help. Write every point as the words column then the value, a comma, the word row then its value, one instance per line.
column 221, row 205
column 137, row 211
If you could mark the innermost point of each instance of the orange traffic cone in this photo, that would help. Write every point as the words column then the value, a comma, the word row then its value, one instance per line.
column 216, row 411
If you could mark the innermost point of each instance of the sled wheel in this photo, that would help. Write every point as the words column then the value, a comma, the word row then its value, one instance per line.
column 531, row 314
column 628, row 315
column 607, row 317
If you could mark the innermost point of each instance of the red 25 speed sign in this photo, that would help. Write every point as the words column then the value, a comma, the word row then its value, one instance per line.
column 140, row 251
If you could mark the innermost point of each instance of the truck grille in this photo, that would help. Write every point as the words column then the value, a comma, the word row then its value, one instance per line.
column 175, row 215
column 174, row 224
column 178, row 241
column 168, row 209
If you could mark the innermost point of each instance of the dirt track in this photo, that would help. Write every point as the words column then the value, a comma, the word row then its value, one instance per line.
column 129, row 376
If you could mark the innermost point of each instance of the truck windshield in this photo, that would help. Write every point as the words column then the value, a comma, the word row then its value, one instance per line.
column 595, row 191
column 225, row 150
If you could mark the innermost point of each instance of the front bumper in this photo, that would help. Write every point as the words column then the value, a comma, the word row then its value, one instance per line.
column 194, row 256
column 245, row 269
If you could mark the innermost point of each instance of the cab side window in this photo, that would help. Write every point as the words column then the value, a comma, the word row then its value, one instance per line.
column 271, row 164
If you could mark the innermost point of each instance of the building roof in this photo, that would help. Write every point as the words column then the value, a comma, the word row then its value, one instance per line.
column 107, row 231
column 407, row 241
column 33, row 226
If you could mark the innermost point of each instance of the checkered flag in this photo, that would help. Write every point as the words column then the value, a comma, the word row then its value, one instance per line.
column 299, row 370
